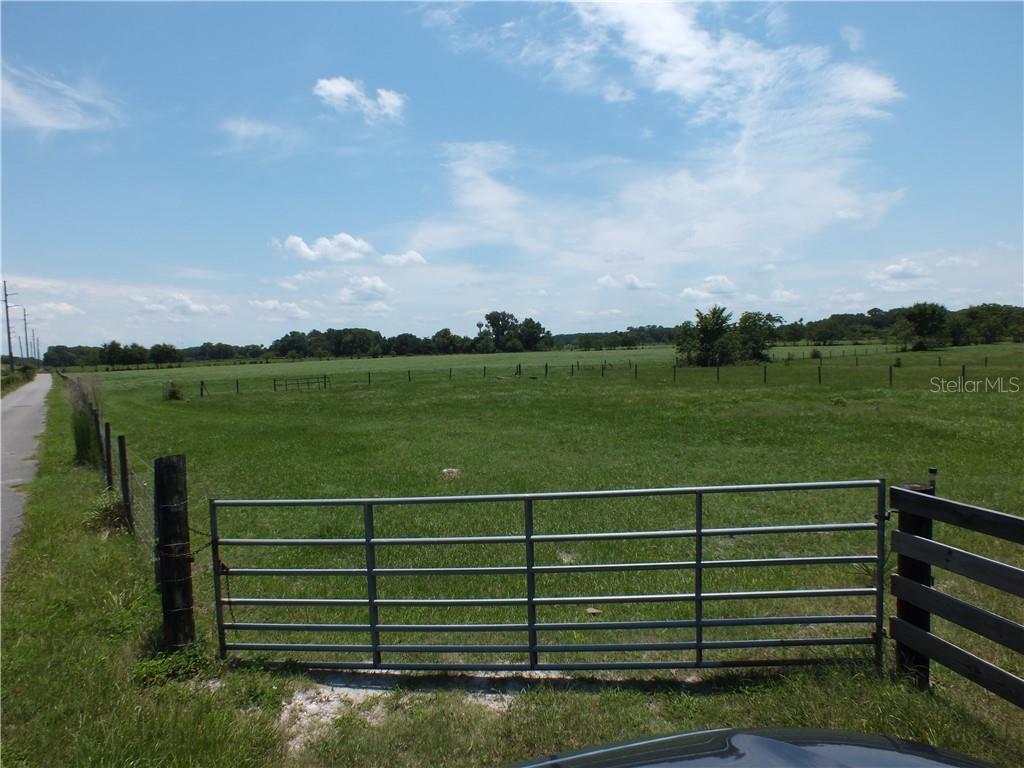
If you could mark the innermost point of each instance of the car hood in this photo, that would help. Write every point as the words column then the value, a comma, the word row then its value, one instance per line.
column 768, row 748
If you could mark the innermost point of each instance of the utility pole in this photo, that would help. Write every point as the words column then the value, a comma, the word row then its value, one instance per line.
column 24, row 320
column 7, row 317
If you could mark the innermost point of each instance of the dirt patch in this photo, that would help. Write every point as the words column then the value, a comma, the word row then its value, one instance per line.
column 311, row 711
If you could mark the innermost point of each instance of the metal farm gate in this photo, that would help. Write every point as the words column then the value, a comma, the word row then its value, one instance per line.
column 388, row 617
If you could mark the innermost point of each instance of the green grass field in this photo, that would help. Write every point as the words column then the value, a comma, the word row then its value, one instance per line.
column 594, row 420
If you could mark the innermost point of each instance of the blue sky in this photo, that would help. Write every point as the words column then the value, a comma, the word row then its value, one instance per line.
column 230, row 172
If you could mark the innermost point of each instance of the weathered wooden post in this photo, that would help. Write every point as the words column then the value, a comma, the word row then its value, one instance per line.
column 909, row 661
column 202, row 388
column 238, row 390
column 96, row 431
column 718, row 372
column 126, row 493
column 409, row 372
column 890, row 375
column 766, row 374
column 170, row 508
column 819, row 374
column 108, row 463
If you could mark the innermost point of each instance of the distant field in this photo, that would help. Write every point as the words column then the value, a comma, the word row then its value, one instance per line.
column 622, row 419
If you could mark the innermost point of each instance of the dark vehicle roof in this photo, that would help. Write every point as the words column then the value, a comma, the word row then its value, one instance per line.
column 768, row 748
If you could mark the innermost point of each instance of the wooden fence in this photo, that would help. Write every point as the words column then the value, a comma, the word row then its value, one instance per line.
column 918, row 600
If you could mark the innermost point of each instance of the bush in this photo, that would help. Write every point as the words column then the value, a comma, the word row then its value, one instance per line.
column 81, row 395
column 173, row 391
column 816, row 354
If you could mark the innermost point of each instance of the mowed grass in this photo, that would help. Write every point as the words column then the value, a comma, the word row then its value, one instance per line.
column 618, row 420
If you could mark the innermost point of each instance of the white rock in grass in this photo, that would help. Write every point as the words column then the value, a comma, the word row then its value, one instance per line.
column 450, row 473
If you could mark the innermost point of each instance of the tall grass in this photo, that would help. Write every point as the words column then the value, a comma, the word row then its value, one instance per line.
column 82, row 397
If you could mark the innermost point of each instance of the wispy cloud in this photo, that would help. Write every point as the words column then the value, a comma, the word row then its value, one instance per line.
column 41, row 103
column 409, row 258
column 346, row 95
column 853, row 37
column 273, row 309
column 245, row 134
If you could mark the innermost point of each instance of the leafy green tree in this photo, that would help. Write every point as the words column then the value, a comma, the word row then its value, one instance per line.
column 755, row 333
column 929, row 322
column 712, row 341
column 902, row 333
column 164, row 354
column 504, row 327
column 533, row 335
column 111, row 353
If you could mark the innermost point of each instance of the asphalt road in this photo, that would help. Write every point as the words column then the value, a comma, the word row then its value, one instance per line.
column 22, row 414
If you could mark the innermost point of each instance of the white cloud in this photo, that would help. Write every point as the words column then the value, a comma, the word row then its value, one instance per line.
column 711, row 287
column 783, row 296
column 44, row 104
column 853, row 37
column 340, row 247
column 277, row 308
column 346, row 95
column 907, row 274
column 630, row 282
column 408, row 258
column 364, row 289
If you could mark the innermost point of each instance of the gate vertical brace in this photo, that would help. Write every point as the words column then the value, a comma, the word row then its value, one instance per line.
column 698, row 586
column 531, row 582
column 371, row 582
column 218, row 607
column 880, row 515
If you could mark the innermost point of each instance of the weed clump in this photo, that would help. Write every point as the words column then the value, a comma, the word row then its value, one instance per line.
column 106, row 514
column 173, row 391
column 188, row 663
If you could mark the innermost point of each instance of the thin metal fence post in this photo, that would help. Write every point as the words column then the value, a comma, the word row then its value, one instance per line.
column 218, row 570
column 698, row 578
column 531, row 582
column 880, row 516
column 371, row 582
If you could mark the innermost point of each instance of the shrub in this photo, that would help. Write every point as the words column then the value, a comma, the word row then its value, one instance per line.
column 816, row 354
column 81, row 394
column 173, row 391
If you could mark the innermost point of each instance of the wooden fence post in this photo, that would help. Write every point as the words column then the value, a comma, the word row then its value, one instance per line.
column 126, row 493
column 173, row 548
column 99, row 434
column 108, row 463
column 909, row 661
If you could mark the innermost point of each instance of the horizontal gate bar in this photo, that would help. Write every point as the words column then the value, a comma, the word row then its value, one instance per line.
column 550, row 537
column 566, row 495
column 553, row 626
column 559, row 600
column 501, row 570
column 549, row 648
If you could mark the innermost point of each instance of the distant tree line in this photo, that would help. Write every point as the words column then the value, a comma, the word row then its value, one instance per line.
column 715, row 337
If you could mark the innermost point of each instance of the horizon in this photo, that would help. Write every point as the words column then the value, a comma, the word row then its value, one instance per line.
column 184, row 173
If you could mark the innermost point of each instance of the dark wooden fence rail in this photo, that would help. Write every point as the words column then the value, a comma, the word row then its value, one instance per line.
column 917, row 600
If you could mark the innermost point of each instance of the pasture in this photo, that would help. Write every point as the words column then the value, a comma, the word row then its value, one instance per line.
column 592, row 420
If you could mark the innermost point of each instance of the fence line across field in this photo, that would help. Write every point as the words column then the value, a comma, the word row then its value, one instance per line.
column 530, row 599
column 837, row 372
